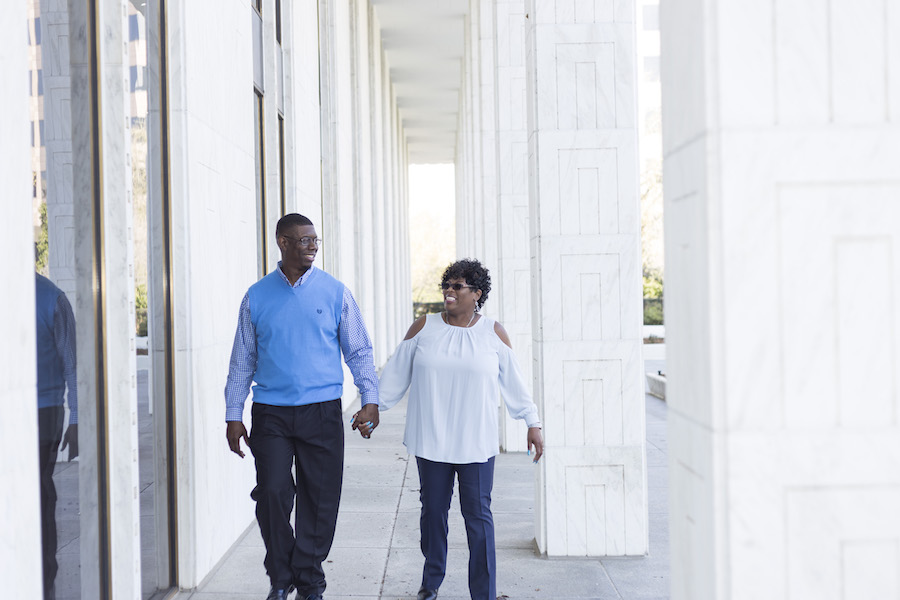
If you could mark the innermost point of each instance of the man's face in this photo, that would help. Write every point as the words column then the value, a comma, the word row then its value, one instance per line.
column 294, row 253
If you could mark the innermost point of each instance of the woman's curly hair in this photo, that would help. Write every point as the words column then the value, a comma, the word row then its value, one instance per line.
column 473, row 273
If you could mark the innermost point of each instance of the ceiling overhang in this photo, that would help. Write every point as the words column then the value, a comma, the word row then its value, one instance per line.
column 424, row 45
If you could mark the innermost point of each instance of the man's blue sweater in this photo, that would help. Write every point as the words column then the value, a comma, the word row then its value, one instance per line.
column 299, row 355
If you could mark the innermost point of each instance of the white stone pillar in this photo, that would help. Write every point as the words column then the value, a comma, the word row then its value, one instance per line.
column 365, row 269
column 303, row 161
column 467, row 176
column 586, row 265
column 394, row 325
column 486, row 137
column 782, row 206
column 339, row 217
column 512, row 275
column 404, row 268
column 20, row 552
column 378, row 70
column 387, row 128
column 104, row 300
column 58, row 143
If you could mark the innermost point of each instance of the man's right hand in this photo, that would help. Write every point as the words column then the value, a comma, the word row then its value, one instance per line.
column 234, row 431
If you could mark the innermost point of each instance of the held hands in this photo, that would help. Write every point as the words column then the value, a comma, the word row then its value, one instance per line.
column 365, row 420
column 234, row 431
column 535, row 438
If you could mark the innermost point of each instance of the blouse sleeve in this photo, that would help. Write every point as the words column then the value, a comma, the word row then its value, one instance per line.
column 397, row 374
column 513, row 389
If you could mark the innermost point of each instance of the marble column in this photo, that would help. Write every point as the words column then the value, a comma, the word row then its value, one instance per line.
column 379, row 78
column 58, row 143
column 586, row 266
column 365, row 269
column 467, row 226
column 782, row 209
column 486, row 137
column 392, row 141
column 339, row 217
column 512, row 275
column 20, row 554
column 303, row 160
column 104, row 300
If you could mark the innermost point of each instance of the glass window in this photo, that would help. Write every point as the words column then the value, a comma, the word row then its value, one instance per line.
column 133, row 31
column 281, row 163
column 258, row 127
column 60, row 225
column 278, row 21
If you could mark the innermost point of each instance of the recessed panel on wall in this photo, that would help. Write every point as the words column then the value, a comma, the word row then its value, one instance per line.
column 839, row 351
column 591, row 297
column 835, row 535
column 592, row 401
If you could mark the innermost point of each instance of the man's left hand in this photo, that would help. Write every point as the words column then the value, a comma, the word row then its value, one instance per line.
column 366, row 420
column 70, row 440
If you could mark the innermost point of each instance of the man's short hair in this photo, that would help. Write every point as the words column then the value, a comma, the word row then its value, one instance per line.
column 290, row 220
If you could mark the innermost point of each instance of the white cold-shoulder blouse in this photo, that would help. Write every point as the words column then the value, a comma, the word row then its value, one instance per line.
column 455, row 376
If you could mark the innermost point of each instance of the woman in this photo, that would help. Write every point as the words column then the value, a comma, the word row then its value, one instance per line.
column 453, row 364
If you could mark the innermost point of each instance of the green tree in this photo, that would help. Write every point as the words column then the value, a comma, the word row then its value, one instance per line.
column 42, row 244
column 140, row 309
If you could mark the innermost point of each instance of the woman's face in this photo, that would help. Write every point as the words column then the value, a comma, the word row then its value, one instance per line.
column 459, row 295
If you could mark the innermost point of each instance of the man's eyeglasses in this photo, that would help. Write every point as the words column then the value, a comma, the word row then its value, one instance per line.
column 455, row 286
column 305, row 241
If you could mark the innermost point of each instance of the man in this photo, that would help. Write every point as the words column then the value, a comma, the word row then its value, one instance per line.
column 55, row 332
column 292, row 327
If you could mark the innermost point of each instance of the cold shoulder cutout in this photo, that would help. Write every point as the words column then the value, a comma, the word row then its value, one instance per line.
column 501, row 333
column 415, row 328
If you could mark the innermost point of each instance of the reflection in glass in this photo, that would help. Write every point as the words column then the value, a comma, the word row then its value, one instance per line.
column 56, row 303
column 57, row 389
column 138, row 60
column 57, row 386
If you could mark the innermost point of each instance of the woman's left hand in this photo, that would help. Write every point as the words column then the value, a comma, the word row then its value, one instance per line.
column 535, row 439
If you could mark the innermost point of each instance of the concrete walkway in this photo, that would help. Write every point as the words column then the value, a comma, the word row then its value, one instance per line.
column 376, row 548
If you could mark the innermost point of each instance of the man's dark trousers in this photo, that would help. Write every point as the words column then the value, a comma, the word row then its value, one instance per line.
column 476, row 480
column 50, row 426
column 312, row 438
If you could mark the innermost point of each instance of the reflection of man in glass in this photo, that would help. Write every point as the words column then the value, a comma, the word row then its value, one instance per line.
column 55, row 373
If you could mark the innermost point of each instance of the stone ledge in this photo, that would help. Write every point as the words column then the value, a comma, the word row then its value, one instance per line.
column 656, row 385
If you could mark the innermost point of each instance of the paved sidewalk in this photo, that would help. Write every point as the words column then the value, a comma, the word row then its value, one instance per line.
column 376, row 549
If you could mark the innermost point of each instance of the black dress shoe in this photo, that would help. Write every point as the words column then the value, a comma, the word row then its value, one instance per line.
column 425, row 594
column 280, row 593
